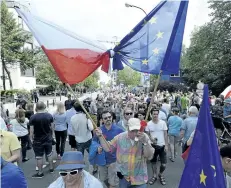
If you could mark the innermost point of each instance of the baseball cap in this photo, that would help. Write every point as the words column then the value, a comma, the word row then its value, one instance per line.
column 134, row 124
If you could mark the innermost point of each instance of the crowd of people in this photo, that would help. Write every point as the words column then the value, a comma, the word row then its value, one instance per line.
column 119, row 144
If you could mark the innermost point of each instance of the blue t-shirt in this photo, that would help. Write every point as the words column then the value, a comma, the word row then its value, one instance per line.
column 109, row 135
column 189, row 125
column 12, row 176
column 60, row 122
column 174, row 125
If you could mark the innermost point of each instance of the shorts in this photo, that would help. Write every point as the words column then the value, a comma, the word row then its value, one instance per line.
column 109, row 173
column 159, row 151
column 72, row 141
column 173, row 139
column 84, row 146
column 42, row 147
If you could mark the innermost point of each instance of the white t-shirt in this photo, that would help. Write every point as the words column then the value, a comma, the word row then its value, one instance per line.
column 166, row 107
column 157, row 131
column 81, row 127
column 162, row 116
column 20, row 129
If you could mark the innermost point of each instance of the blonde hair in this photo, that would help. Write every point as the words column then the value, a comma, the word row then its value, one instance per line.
column 20, row 115
column 30, row 106
column 60, row 108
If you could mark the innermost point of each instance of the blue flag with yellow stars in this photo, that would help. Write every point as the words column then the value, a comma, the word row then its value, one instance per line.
column 203, row 167
column 155, row 43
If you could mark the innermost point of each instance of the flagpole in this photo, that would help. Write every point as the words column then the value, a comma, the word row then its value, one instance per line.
column 84, row 109
column 153, row 95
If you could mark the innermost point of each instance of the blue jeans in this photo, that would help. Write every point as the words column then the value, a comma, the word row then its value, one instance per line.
column 125, row 184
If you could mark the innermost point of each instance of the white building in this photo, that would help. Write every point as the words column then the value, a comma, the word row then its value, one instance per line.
column 21, row 79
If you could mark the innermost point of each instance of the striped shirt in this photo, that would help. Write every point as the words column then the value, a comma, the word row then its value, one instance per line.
column 130, row 159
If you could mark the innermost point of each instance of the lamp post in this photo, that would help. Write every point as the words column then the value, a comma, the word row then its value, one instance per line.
column 133, row 6
column 129, row 5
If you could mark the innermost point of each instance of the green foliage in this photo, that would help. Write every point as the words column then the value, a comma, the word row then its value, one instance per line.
column 129, row 77
column 91, row 81
column 13, row 39
column 171, row 87
column 208, row 57
column 14, row 91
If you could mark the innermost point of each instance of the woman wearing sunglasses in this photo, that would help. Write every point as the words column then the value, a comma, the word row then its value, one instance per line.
column 72, row 174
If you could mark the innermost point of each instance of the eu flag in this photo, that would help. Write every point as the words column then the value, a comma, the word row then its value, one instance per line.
column 203, row 167
column 155, row 43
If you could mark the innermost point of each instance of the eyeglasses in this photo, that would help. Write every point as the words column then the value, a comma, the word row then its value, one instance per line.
column 72, row 172
column 108, row 117
column 127, row 114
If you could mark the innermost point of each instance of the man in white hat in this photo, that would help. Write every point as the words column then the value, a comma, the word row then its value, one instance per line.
column 133, row 148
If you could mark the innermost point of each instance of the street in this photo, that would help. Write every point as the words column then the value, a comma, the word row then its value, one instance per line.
column 172, row 173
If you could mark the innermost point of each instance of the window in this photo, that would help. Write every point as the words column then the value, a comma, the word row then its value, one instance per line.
column 20, row 22
column 27, row 72
column 175, row 75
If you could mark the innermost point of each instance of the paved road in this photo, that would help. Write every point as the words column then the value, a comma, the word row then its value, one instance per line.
column 172, row 173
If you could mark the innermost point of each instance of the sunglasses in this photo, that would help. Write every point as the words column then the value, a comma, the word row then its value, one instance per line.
column 128, row 114
column 73, row 172
column 109, row 117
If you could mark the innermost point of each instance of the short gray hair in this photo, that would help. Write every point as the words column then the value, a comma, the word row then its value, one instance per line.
column 193, row 110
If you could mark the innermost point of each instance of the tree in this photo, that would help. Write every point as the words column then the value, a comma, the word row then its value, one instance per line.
column 208, row 57
column 13, row 39
column 129, row 77
column 91, row 82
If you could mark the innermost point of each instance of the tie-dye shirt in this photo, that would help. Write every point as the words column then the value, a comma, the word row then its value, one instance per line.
column 130, row 159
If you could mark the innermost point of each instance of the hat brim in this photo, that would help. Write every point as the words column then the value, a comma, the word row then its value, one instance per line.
column 70, row 166
column 134, row 128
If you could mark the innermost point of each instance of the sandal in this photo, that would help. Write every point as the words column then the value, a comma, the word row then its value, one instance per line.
column 162, row 180
column 152, row 180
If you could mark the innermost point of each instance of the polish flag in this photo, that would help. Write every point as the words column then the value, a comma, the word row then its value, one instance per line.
column 73, row 57
column 227, row 92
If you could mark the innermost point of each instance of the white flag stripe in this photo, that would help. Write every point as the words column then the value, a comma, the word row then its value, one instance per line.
column 52, row 36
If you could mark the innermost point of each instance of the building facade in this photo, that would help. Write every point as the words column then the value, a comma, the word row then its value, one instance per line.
column 21, row 79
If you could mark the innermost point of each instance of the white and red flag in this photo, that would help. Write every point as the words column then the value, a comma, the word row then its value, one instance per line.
column 73, row 57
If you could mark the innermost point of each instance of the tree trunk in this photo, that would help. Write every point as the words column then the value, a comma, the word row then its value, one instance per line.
column 9, row 76
column 3, row 75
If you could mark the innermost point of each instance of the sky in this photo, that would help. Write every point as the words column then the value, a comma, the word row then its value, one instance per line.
column 109, row 20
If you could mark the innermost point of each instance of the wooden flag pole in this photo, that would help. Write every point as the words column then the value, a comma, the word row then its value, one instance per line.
column 153, row 95
column 84, row 109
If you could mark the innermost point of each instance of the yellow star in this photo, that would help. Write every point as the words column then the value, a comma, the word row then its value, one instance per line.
column 156, row 51
column 160, row 34
column 145, row 61
column 144, row 23
column 203, row 177
column 131, row 61
column 153, row 20
column 214, row 168
column 119, row 53
column 131, row 31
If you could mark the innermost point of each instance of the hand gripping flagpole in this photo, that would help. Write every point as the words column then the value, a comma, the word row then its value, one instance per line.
column 153, row 95
column 84, row 109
